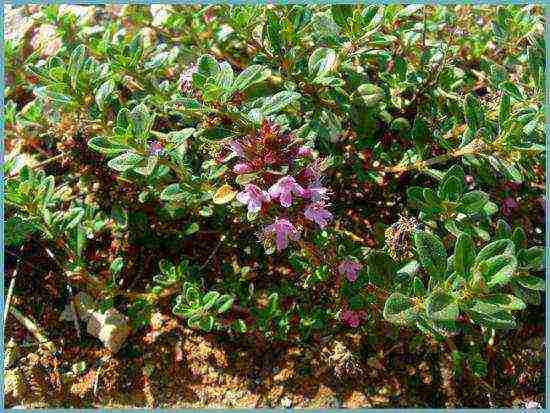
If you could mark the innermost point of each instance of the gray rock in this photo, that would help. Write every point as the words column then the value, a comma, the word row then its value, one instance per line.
column 110, row 327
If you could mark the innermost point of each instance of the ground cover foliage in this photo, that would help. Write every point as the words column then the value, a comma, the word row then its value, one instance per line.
column 348, row 180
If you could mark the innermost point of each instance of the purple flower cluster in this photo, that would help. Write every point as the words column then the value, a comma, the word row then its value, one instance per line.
column 285, row 187
column 283, row 190
column 350, row 268
column 156, row 148
column 253, row 197
column 352, row 318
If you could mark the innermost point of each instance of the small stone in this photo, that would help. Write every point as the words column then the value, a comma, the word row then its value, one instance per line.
column 110, row 327
column 84, row 305
column 286, row 402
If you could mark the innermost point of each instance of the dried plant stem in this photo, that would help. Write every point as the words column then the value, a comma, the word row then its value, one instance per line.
column 34, row 329
column 476, row 147
column 76, row 318
column 8, row 298
column 213, row 252
column 11, row 287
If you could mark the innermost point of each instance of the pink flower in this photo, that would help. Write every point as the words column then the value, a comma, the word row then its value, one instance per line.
column 253, row 197
column 304, row 151
column 283, row 230
column 509, row 206
column 314, row 171
column 531, row 404
column 351, row 318
column 237, row 148
column 350, row 268
column 317, row 213
column 155, row 148
column 209, row 16
column 284, row 189
column 316, row 192
column 242, row 168
column 270, row 158
column 186, row 78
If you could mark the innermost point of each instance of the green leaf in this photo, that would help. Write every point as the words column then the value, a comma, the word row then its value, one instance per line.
column 499, row 247
column 211, row 92
column 321, row 62
column 125, row 161
column 77, row 240
column 457, row 172
column 473, row 202
column 107, row 146
column 191, row 228
column 420, row 134
column 533, row 258
column 75, row 64
column 227, row 302
column 496, row 303
column 442, row 307
column 48, row 94
column 120, row 216
column 399, row 309
column 415, row 196
column 531, row 282
column 273, row 31
column 103, row 92
column 141, row 121
column 210, row 299
column 451, row 189
column 498, row 270
column 409, row 269
column 464, row 254
column 527, row 295
column 208, row 66
column 172, row 192
column 408, row 11
column 503, row 230
column 206, row 323
column 116, row 265
column 431, row 254
column 250, row 76
column 149, row 167
column 272, row 304
column 431, row 197
column 499, row 320
column 472, row 109
column 418, row 289
column 518, row 238
column 341, row 13
column 17, row 231
column 368, row 14
column 279, row 101
column 239, row 326
column 504, row 110
column 74, row 217
column 511, row 89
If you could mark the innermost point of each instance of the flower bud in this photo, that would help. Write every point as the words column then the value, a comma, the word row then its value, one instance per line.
column 242, row 168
